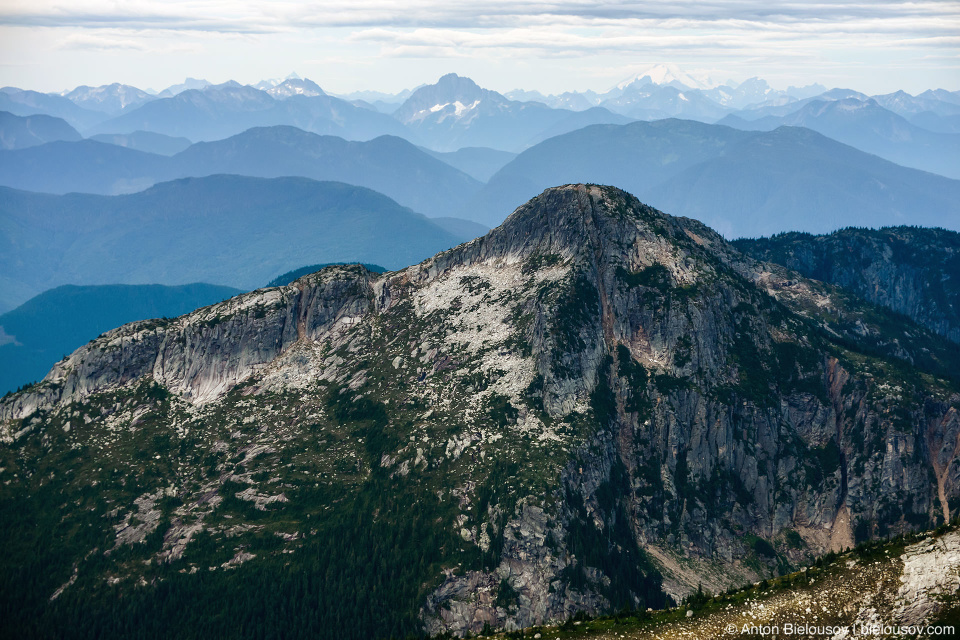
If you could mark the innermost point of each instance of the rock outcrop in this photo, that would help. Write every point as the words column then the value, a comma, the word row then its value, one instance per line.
column 911, row 270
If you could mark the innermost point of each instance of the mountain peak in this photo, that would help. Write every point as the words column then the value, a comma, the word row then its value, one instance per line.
column 669, row 74
column 451, row 95
column 584, row 220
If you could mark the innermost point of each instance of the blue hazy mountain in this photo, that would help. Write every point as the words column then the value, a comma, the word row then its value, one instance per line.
column 220, row 111
column 635, row 156
column 794, row 179
column 230, row 230
column 18, row 132
column 477, row 162
column 110, row 99
column 455, row 112
column 27, row 103
column 147, row 141
column 648, row 101
column 387, row 164
column 739, row 182
column 85, row 166
column 866, row 125
column 39, row 332
column 579, row 120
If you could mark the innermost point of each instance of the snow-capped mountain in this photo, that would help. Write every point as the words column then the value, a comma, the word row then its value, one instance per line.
column 672, row 75
column 452, row 95
column 573, row 100
column 653, row 102
column 109, row 98
column 749, row 92
column 456, row 112
column 295, row 87
column 269, row 83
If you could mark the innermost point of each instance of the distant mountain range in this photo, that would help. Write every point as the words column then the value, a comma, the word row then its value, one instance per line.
column 741, row 183
column 42, row 330
column 864, row 124
column 230, row 230
column 744, row 183
column 388, row 164
column 110, row 99
column 455, row 112
column 28, row 103
column 477, row 162
column 147, row 141
column 221, row 111
column 18, row 132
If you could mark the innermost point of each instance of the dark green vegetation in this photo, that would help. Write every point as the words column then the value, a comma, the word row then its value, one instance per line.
column 911, row 270
column 221, row 229
column 288, row 277
column 39, row 332
column 360, row 572
column 740, row 183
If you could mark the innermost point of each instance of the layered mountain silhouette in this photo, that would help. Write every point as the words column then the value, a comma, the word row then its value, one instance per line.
column 221, row 111
column 742, row 183
column 111, row 99
column 387, row 164
column 455, row 112
column 229, row 230
column 147, row 141
column 27, row 103
column 866, row 125
column 18, row 132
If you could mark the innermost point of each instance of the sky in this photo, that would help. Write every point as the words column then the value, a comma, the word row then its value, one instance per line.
column 875, row 46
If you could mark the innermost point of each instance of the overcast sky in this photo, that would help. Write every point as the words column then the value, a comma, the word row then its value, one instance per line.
column 874, row 46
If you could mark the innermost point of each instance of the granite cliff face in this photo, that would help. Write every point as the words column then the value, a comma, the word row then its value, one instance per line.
column 594, row 406
column 912, row 270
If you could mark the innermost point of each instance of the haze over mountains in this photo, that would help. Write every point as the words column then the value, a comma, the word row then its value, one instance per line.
column 804, row 158
column 741, row 183
column 600, row 405
column 230, row 230
column 387, row 164
column 452, row 113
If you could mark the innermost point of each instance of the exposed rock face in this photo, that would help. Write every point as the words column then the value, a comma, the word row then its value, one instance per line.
column 911, row 270
column 595, row 391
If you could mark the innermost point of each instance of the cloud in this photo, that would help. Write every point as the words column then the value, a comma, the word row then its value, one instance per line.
column 247, row 16
column 98, row 42
column 538, row 28
column 800, row 36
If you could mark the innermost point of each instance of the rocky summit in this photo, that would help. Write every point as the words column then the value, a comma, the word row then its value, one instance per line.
column 596, row 406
